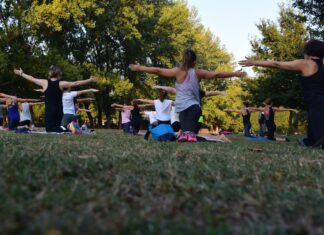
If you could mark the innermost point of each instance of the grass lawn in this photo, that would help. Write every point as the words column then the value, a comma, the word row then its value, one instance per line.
column 110, row 183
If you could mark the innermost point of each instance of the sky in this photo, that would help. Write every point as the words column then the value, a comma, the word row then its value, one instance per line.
column 233, row 21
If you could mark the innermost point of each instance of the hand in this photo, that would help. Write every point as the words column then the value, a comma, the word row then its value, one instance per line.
column 134, row 67
column 18, row 72
column 113, row 105
column 39, row 90
column 246, row 63
column 93, row 79
column 240, row 73
column 94, row 90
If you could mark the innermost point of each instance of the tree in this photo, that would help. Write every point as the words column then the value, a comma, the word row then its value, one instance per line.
column 283, row 40
column 313, row 14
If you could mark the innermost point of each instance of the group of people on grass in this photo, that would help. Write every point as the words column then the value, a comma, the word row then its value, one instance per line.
column 188, row 98
column 186, row 111
column 60, row 110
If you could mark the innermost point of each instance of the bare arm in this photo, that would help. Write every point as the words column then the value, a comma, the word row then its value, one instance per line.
column 143, row 106
column 86, row 91
column 150, row 102
column 124, row 107
column 65, row 84
column 38, row 82
column 215, row 93
column 27, row 100
column 233, row 111
column 205, row 74
column 84, row 110
column 284, row 110
column 295, row 65
column 154, row 70
column 6, row 96
column 37, row 103
column 168, row 89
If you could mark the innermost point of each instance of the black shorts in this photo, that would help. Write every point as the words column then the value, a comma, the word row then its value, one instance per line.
column 1, row 121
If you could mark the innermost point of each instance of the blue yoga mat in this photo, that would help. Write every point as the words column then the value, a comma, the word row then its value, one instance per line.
column 257, row 138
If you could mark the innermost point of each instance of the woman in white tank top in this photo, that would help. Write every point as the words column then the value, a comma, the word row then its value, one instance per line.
column 187, row 86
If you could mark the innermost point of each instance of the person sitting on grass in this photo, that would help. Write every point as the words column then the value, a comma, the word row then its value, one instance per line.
column 162, row 108
column 136, row 116
column 25, row 114
column 311, row 68
column 13, row 111
column 245, row 111
column 269, row 114
column 53, row 88
column 69, row 119
column 187, row 86
column 176, row 125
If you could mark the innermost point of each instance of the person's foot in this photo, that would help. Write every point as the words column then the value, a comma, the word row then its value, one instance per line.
column 191, row 137
column 183, row 137
column 74, row 128
column 301, row 142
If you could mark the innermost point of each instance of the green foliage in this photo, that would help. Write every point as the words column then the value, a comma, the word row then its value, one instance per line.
column 313, row 14
column 213, row 108
column 282, row 41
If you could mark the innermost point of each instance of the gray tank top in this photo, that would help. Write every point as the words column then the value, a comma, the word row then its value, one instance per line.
column 187, row 92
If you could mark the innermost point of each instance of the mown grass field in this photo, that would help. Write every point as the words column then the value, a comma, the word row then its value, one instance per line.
column 109, row 183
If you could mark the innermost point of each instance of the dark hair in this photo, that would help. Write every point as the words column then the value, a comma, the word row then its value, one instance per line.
column 246, row 104
column 314, row 48
column 188, row 60
column 268, row 101
column 135, row 104
column 54, row 72
column 163, row 95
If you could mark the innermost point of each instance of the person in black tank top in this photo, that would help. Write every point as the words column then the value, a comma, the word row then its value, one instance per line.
column 53, row 88
column 269, row 115
column 312, row 83
column 136, row 116
column 245, row 111
column 53, row 107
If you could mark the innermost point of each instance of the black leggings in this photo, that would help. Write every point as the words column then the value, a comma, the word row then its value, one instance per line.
column 189, row 118
column 315, row 129
column 271, row 126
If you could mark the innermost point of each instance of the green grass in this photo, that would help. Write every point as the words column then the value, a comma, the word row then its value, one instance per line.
column 114, row 184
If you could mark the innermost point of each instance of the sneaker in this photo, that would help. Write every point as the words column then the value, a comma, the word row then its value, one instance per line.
column 74, row 128
column 192, row 137
column 183, row 137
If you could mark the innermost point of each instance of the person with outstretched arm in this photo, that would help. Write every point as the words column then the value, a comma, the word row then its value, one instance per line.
column 311, row 69
column 69, row 110
column 53, row 89
column 187, row 86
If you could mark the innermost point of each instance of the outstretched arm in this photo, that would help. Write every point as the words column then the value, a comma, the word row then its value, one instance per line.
column 215, row 93
column 3, row 95
column 37, row 103
column 39, row 82
column 124, row 107
column 281, row 109
column 65, row 84
column 154, row 70
column 205, row 74
column 86, row 91
column 295, row 65
column 84, row 110
column 168, row 89
column 27, row 100
column 233, row 111
column 150, row 102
